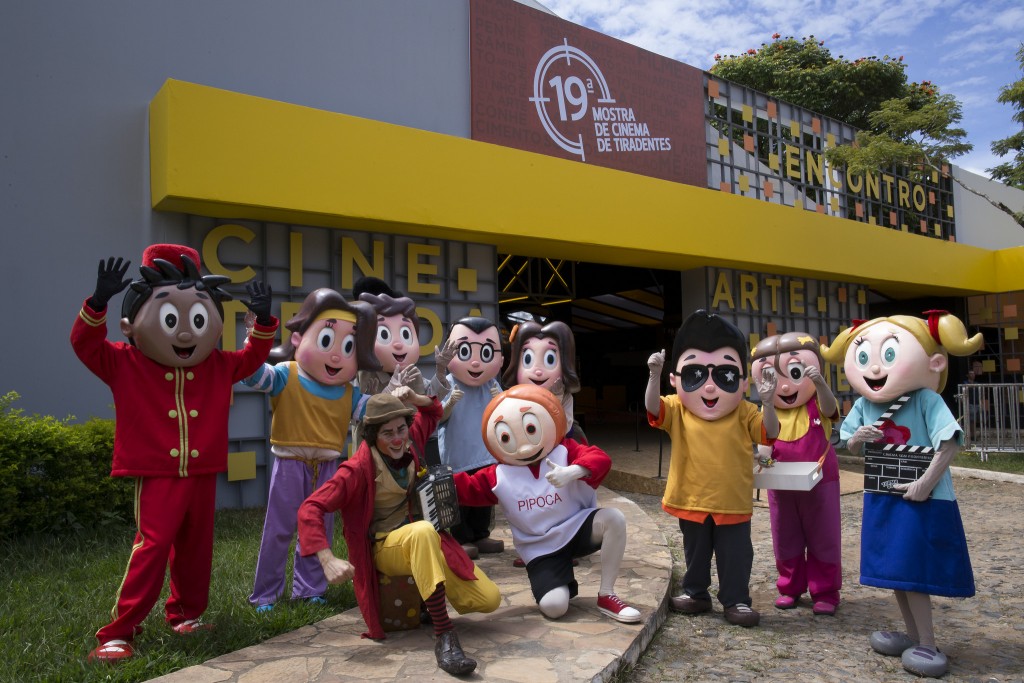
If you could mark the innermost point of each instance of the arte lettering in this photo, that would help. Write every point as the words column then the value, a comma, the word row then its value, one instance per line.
column 750, row 289
column 546, row 500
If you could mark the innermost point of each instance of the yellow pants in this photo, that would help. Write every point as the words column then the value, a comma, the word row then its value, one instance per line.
column 415, row 549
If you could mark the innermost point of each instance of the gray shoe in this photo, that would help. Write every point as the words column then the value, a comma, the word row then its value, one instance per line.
column 489, row 545
column 925, row 661
column 891, row 643
column 687, row 605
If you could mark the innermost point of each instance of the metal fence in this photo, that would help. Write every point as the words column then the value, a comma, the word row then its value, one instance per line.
column 991, row 415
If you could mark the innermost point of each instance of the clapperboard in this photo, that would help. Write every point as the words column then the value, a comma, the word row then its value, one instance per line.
column 886, row 465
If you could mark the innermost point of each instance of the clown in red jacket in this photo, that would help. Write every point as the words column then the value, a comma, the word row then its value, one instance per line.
column 375, row 492
column 172, row 390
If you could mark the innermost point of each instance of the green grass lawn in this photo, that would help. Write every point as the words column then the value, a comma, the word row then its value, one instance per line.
column 55, row 592
column 1012, row 463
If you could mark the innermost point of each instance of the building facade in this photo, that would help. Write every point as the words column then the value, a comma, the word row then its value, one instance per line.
column 484, row 156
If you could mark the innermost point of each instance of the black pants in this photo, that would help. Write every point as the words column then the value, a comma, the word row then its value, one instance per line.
column 734, row 556
column 476, row 522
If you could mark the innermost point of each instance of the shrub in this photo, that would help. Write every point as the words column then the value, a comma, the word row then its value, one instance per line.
column 55, row 474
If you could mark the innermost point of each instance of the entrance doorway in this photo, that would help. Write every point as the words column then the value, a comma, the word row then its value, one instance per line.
column 619, row 316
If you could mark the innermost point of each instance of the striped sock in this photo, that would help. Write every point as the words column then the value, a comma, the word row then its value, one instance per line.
column 438, row 611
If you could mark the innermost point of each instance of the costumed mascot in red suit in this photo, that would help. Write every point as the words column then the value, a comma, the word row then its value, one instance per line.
column 172, row 390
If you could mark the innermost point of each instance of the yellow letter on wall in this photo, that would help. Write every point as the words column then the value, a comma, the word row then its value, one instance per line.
column 436, row 330
column 773, row 286
column 212, row 242
column 796, row 296
column 351, row 255
column 723, row 293
column 748, row 292
column 416, row 268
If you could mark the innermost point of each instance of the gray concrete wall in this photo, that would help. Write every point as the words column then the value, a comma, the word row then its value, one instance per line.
column 77, row 79
column 978, row 222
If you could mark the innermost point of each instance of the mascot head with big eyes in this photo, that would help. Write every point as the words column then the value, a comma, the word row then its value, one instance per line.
column 789, row 356
column 886, row 358
column 522, row 425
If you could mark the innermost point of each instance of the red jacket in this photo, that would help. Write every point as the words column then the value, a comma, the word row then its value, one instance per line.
column 170, row 422
column 351, row 491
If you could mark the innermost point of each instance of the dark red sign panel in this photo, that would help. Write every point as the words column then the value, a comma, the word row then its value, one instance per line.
column 546, row 85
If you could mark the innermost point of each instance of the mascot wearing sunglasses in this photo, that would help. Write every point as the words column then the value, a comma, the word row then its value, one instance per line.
column 805, row 524
column 710, row 477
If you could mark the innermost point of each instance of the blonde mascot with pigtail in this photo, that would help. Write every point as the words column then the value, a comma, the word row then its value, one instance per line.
column 912, row 543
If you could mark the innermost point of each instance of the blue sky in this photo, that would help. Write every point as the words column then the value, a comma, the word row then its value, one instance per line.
column 967, row 48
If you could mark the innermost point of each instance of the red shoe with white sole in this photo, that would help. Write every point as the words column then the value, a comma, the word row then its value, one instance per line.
column 190, row 626
column 112, row 651
column 612, row 606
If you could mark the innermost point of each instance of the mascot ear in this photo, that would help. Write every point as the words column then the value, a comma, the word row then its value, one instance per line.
column 937, row 362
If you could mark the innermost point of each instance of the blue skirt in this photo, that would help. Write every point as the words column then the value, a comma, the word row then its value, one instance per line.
column 918, row 547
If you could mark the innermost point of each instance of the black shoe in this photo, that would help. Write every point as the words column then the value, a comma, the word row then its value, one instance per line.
column 450, row 657
column 688, row 605
column 742, row 615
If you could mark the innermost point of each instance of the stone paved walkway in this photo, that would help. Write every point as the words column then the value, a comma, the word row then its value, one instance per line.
column 514, row 644
column 983, row 636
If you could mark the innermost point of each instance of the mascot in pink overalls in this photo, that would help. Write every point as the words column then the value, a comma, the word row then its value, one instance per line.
column 805, row 524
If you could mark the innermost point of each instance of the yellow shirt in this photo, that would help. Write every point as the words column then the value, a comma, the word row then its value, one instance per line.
column 712, row 467
column 302, row 419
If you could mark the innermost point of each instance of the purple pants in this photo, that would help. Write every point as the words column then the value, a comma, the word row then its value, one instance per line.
column 291, row 482
column 806, row 538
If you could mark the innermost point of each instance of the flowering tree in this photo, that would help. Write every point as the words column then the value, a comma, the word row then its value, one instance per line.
column 804, row 73
column 901, row 123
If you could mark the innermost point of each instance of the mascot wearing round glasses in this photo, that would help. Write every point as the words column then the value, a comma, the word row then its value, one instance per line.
column 711, row 475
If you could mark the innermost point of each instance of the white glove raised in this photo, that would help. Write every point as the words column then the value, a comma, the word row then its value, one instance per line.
column 864, row 434
column 560, row 476
column 656, row 362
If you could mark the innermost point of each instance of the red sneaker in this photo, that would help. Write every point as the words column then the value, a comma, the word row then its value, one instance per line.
column 190, row 626
column 612, row 606
column 112, row 651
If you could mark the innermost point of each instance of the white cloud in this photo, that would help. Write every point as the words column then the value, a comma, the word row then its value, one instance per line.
column 968, row 49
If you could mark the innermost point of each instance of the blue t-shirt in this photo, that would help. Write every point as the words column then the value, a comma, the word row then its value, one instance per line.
column 926, row 416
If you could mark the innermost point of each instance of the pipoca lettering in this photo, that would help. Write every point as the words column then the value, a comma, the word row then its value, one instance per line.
column 540, row 501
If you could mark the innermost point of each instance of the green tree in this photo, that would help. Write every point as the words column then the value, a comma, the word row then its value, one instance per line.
column 806, row 74
column 1012, row 172
column 901, row 124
